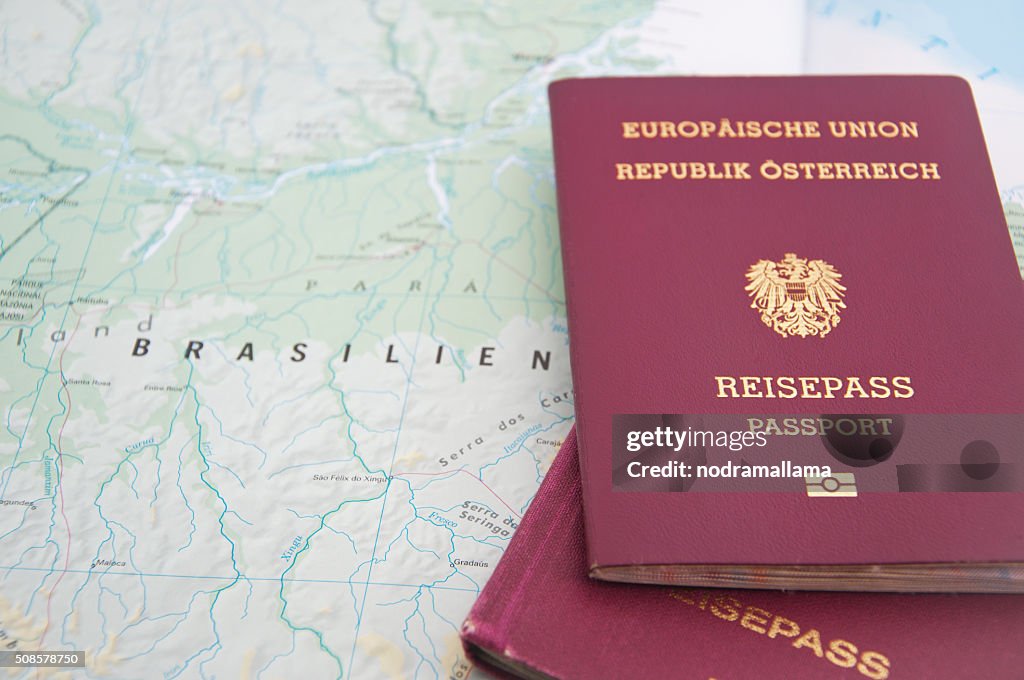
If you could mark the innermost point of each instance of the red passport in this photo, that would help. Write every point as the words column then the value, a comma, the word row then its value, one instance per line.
column 540, row 616
column 820, row 265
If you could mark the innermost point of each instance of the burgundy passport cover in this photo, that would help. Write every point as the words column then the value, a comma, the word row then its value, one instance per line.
column 540, row 615
column 658, row 269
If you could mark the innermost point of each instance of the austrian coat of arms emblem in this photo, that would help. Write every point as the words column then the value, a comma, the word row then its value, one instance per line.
column 796, row 296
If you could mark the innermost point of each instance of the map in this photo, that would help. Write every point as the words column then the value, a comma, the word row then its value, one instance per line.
column 282, row 324
column 281, row 317
column 938, row 36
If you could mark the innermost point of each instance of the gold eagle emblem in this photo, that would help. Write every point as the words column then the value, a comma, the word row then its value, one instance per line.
column 796, row 296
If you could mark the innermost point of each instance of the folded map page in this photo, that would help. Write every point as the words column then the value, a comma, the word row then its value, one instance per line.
column 938, row 36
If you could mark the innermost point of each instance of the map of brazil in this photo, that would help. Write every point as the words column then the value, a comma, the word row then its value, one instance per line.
column 282, row 323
